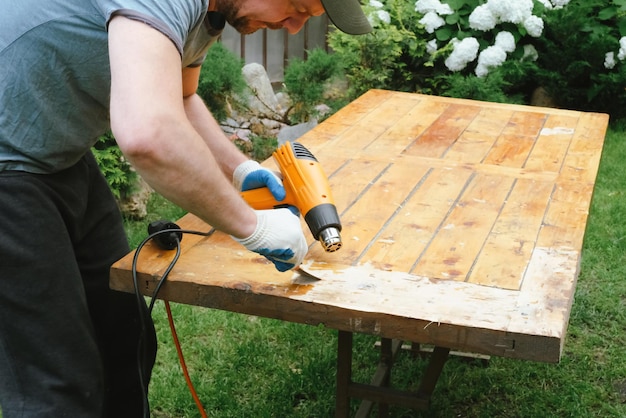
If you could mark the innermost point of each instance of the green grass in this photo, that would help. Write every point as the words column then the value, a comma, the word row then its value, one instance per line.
column 246, row 366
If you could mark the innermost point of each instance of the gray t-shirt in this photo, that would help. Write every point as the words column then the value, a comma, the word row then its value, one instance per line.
column 55, row 74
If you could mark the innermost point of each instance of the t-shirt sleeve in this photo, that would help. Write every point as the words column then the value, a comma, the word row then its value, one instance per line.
column 202, row 39
column 173, row 18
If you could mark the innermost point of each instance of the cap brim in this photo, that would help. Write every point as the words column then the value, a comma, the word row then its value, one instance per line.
column 347, row 16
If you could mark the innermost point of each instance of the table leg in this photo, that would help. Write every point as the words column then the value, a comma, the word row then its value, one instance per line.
column 382, row 378
column 344, row 374
column 378, row 390
column 386, row 359
column 435, row 366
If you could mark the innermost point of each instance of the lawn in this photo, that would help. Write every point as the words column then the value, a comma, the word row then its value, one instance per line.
column 245, row 366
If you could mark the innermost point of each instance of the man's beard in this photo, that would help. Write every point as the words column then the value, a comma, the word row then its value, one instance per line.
column 242, row 24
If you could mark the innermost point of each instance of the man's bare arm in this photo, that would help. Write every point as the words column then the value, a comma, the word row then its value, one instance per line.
column 162, row 134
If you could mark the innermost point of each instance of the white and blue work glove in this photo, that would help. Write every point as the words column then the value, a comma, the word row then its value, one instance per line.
column 251, row 175
column 278, row 237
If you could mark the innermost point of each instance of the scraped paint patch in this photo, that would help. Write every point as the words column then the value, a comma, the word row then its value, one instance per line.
column 557, row 131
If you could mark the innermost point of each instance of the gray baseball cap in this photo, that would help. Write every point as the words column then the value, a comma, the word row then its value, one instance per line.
column 348, row 16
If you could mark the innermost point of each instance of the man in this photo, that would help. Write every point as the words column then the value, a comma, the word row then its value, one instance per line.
column 70, row 70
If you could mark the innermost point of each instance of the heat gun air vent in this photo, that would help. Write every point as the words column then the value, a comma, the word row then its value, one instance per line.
column 302, row 153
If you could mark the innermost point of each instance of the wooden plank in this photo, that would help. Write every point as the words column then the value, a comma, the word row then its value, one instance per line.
column 352, row 179
column 510, row 150
column 440, row 136
column 526, row 123
column 353, row 112
column 495, row 105
column 513, row 236
column 479, row 136
column 583, row 157
column 461, row 316
column 408, row 128
column 152, row 255
column 322, row 134
column 364, row 219
column 379, row 120
column 552, row 143
column 404, row 239
column 517, row 139
column 514, row 172
column 461, row 237
column 336, row 125
column 566, row 217
column 545, row 303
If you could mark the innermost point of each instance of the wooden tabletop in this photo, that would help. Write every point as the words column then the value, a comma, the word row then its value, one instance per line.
column 463, row 223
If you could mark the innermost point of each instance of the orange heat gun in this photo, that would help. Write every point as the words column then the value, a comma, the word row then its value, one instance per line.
column 307, row 189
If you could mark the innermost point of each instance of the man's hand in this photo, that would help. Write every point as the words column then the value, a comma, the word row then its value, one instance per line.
column 278, row 237
column 251, row 175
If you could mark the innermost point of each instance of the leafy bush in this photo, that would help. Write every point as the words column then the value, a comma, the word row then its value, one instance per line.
column 495, row 50
column 220, row 80
column 393, row 56
column 580, row 61
column 306, row 81
column 118, row 172
column 258, row 147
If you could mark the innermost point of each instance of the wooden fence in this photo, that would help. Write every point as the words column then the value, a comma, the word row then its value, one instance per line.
column 274, row 48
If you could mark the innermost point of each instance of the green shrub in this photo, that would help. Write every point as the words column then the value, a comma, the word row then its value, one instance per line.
column 306, row 81
column 258, row 147
column 221, row 80
column 495, row 50
column 572, row 56
column 118, row 172
column 392, row 56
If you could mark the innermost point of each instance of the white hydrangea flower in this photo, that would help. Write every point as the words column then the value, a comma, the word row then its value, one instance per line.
column 511, row 11
column 379, row 15
column 384, row 16
column 559, row 4
column 464, row 51
column 431, row 46
column 490, row 57
column 506, row 41
column 534, row 26
column 546, row 4
column 530, row 53
column 609, row 60
column 621, row 54
column 482, row 18
column 432, row 21
column 425, row 6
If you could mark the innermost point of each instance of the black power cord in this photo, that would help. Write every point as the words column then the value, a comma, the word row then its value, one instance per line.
column 167, row 235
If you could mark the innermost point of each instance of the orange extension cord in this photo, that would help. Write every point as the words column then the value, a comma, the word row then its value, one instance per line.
column 179, row 350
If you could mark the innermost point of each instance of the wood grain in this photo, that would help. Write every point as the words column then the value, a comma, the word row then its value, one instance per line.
column 463, row 224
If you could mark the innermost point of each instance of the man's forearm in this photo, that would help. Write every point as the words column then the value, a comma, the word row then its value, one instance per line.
column 226, row 153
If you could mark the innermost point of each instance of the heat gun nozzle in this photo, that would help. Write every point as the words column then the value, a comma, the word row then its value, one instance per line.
column 330, row 239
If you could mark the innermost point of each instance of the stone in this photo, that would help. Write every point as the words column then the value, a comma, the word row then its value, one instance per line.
column 134, row 205
column 542, row 98
column 262, row 101
column 292, row 133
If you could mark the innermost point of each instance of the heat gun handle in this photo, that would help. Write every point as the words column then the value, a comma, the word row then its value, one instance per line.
column 262, row 198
